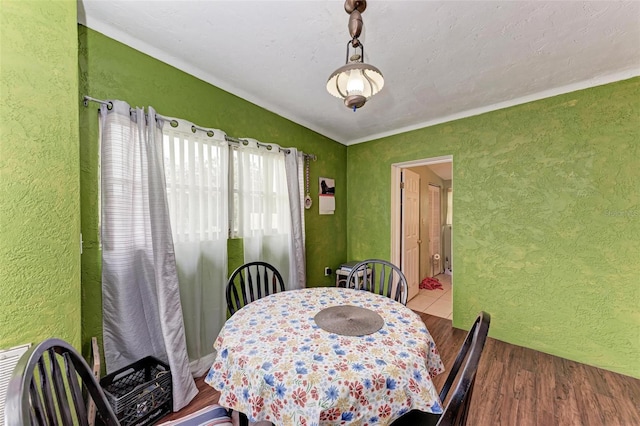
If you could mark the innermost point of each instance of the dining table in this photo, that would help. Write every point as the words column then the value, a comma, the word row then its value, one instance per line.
column 326, row 356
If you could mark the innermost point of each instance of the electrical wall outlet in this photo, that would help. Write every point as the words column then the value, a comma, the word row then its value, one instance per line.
column 327, row 271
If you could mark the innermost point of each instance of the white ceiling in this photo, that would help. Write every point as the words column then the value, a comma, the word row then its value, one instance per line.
column 441, row 60
column 443, row 170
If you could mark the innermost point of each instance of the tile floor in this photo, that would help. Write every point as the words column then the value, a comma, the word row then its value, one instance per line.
column 435, row 302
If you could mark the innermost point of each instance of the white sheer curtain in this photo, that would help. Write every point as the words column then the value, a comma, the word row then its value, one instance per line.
column 294, row 167
column 196, row 166
column 264, row 217
column 142, row 314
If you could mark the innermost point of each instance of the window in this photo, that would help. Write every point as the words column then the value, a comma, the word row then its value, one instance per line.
column 260, row 197
column 195, row 170
column 215, row 191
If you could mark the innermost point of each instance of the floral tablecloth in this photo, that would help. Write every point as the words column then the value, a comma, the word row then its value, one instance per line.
column 274, row 363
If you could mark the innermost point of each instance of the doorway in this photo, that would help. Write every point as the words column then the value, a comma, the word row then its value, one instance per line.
column 434, row 262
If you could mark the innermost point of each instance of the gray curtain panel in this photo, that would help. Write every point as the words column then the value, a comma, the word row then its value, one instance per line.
column 142, row 314
column 297, row 265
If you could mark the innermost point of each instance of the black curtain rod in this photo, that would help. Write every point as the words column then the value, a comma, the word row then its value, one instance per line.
column 174, row 123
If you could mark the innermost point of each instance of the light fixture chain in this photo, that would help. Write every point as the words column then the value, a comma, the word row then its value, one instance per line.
column 307, row 175
column 307, row 198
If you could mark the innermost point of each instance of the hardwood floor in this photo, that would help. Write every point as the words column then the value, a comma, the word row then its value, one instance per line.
column 519, row 386
column 205, row 397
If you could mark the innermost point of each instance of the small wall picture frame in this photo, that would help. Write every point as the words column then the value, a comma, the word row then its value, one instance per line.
column 326, row 195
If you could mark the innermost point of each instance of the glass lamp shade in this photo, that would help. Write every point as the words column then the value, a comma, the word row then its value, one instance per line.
column 355, row 82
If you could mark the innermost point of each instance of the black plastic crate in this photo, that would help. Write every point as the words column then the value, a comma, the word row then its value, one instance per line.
column 140, row 393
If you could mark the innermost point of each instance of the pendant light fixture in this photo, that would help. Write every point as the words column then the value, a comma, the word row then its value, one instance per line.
column 355, row 82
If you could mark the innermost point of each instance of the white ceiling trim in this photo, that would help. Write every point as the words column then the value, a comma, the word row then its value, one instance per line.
column 586, row 84
column 424, row 162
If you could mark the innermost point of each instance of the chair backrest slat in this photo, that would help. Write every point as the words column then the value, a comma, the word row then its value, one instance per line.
column 254, row 280
column 390, row 284
column 381, row 277
column 261, row 282
column 46, row 388
column 38, row 414
column 76, row 393
column 243, row 289
column 60, row 390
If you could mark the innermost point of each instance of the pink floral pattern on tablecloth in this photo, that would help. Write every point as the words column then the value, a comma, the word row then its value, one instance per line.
column 274, row 363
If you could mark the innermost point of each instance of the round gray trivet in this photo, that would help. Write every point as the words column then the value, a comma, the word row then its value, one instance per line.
column 349, row 320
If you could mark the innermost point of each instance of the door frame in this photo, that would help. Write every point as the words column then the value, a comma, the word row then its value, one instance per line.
column 396, row 223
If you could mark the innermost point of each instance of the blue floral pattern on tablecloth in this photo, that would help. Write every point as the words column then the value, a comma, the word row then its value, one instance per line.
column 274, row 363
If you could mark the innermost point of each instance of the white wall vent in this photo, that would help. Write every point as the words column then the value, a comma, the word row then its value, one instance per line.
column 8, row 360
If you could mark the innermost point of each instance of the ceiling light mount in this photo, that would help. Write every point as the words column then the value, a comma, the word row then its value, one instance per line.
column 351, row 5
column 356, row 81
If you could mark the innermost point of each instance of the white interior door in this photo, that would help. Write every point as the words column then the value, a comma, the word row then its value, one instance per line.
column 410, row 201
column 435, row 230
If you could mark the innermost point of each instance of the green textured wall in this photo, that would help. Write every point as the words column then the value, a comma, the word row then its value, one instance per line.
column 111, row 70
column 39, row 173
column 546, row 233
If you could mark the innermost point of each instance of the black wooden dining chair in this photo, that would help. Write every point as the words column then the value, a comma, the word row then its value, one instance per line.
column 52, row 385
column 381, row 277
column 251, row 282
column 456, row 408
